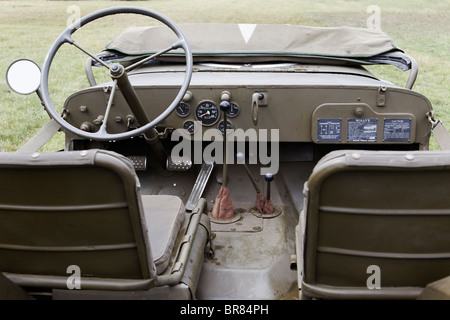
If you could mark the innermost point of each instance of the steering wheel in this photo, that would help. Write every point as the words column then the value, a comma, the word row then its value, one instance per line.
column 118, row 74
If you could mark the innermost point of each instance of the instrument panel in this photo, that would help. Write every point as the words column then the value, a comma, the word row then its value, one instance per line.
column 307, row 107
column 205, row 112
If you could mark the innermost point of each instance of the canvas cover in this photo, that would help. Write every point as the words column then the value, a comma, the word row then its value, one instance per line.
column 234, row 40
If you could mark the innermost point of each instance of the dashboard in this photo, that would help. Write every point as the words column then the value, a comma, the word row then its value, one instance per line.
column 319, row 104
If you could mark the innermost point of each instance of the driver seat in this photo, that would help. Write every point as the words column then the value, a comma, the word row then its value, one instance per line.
column 78, row 218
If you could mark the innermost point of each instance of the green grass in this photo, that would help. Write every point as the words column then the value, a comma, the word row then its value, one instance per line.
column 28, row 28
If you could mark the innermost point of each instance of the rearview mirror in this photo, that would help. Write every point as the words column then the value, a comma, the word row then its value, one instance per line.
column 23, row 76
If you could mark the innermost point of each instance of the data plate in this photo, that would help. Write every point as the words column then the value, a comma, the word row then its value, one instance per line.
column 329, row 130
column 397, row 130
column 362, row 130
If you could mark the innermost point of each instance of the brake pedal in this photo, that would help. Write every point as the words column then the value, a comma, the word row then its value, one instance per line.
column 178, row 165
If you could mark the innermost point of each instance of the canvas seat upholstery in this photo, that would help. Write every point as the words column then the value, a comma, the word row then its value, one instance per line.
column 375, row 216
column 163, row 227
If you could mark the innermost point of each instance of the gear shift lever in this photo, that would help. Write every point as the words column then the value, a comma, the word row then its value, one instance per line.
column 269, row 178
column 268, row 205
column 260, row 200
column 223, row 211
column 225, row 106
column 240, row 159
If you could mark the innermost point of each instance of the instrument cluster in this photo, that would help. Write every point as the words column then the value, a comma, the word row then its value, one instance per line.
column 206, row 112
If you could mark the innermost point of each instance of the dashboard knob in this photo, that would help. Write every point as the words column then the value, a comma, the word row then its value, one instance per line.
column 225, row 96
column 187, row 96
column 87, row 126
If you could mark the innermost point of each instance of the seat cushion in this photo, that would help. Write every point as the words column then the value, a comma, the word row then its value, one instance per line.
column 438, row 290
column 164, row 216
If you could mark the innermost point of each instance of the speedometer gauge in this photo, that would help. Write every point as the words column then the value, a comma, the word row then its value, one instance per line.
column 207, row 112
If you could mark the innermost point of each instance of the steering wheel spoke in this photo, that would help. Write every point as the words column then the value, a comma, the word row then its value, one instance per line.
column 102, row 129
column 122, row 83
column 93, row 56
column 146, row 59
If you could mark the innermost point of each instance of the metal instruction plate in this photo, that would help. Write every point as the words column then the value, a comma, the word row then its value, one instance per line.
column 362, row 130
column 329, row 130
column 397, row 130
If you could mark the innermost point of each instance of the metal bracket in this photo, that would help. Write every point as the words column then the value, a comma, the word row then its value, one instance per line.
column 259, row 99
column 381, row 96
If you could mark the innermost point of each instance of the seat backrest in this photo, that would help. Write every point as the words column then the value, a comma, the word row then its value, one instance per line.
column 377, row 224
column 78, row 208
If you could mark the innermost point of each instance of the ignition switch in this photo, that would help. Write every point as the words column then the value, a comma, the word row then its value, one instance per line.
column 87, row 126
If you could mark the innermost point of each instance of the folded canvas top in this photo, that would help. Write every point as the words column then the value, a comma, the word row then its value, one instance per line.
column 262, row 40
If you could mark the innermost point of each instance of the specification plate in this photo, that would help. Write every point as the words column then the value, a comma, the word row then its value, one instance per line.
column 397, row 130
column 329, row 130
column 362, row 130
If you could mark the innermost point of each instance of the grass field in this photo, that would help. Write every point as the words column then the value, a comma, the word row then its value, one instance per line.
column 28, row 28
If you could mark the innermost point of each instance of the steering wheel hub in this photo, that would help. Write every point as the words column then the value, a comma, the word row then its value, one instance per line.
column 116, row 71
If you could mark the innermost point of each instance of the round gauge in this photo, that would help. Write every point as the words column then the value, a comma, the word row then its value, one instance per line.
column 207, row 112
column 233, row 111
column 183, row 109
column 189, row 127
column 229, row 126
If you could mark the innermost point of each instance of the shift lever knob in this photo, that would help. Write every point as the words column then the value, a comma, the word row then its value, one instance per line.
column 240, row 157
column 268, row 177
column 225, row 106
